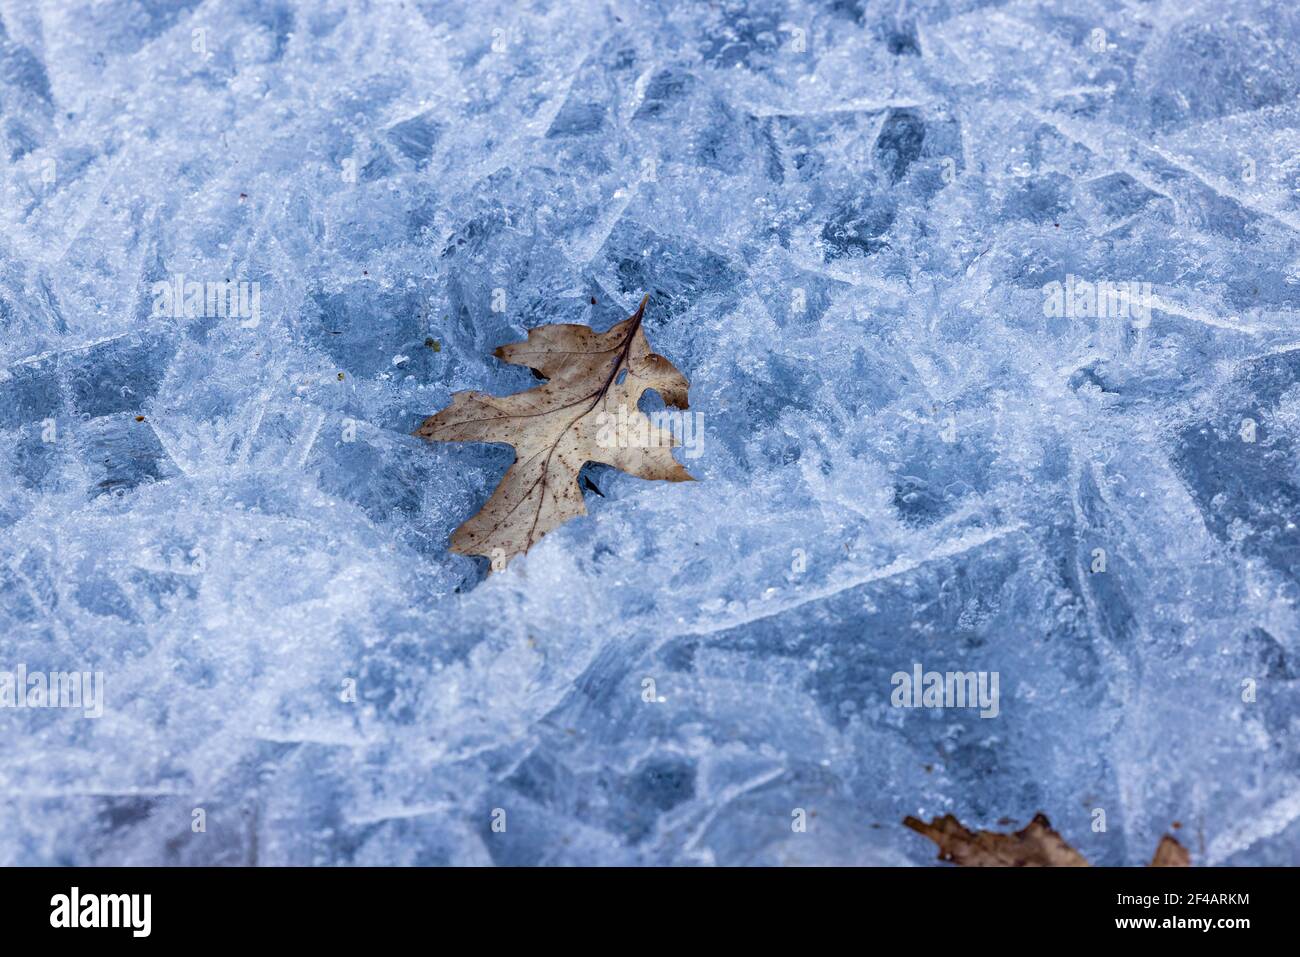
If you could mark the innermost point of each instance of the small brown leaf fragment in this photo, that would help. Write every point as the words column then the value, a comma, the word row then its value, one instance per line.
column 585, row 411
column 1169, row 853
column 1035, row 846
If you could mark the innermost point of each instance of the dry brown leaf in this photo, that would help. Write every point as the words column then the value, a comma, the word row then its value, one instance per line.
column 558, row 427
column 1037, row 845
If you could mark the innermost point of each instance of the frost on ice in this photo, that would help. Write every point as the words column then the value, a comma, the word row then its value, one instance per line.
column 854, row 222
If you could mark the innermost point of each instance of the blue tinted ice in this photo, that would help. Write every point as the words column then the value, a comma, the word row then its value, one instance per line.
column 991, row 313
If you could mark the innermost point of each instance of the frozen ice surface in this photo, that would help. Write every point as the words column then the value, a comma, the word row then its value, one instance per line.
column 847, row 215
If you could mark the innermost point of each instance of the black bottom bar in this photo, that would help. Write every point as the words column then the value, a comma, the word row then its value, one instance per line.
column 333, row 906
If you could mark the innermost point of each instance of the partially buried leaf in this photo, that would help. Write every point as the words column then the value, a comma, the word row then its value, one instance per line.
column 1038, row 845
column 1035, row 846
column 586, row 411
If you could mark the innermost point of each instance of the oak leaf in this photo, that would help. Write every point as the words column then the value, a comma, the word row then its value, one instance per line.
column 1037, row 845
column 586, row 411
